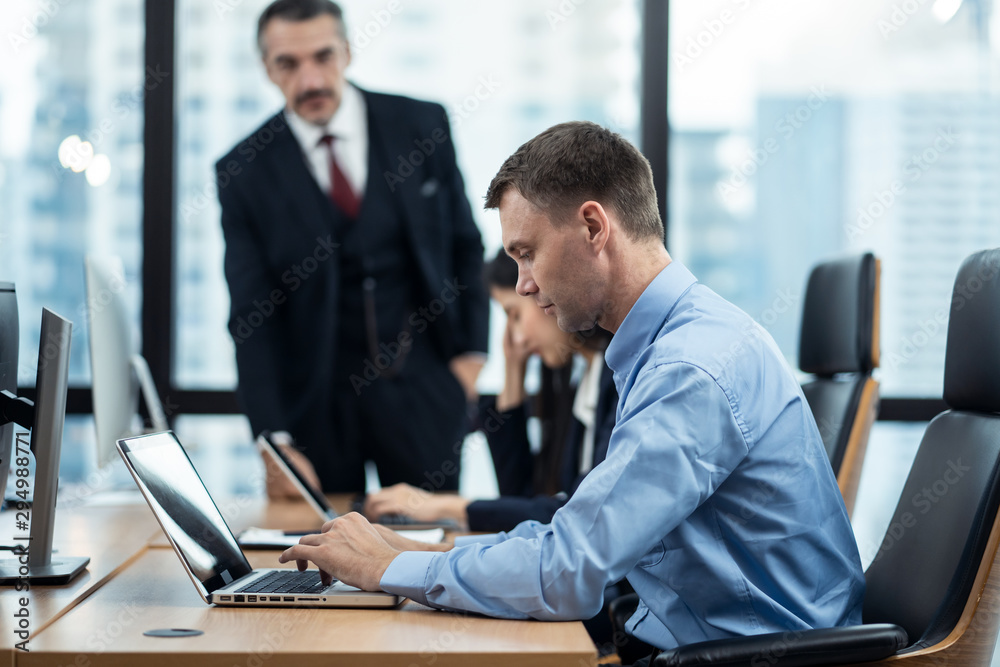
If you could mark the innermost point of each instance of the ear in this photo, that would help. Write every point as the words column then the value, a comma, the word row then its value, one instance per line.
column 596, row 223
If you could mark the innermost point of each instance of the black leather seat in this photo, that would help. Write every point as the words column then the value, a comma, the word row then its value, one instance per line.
column 932, row 596
column 839, row 346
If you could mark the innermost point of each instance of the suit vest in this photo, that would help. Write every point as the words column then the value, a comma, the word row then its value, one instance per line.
column 376, row 275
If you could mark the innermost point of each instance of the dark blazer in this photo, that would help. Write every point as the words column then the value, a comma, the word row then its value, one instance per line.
column 282, row 264
column 512, row 458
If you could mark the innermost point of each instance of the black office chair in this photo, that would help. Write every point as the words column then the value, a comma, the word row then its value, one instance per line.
column 839, row 346
column 933, row 597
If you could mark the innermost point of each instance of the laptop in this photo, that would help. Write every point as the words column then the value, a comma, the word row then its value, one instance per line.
column 318, row 501
column 207, row 547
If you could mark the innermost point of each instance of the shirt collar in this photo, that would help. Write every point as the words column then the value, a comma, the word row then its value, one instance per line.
column 647, row 316
column 347, row 123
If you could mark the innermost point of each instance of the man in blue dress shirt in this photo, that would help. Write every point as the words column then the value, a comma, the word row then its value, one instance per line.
column 716, row 499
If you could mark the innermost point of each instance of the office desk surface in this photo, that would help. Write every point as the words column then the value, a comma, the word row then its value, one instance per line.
column 110, row 536
column 132, row 586
column 155, row 592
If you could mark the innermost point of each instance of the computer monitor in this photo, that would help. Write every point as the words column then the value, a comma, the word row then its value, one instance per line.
column 8, row 371
column 119, row 373
column 45, row 417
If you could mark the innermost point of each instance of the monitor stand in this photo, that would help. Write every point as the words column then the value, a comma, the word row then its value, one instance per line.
column 32, row 560
column 57, row 572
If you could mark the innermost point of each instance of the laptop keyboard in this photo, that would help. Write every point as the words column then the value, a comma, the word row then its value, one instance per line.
column 291, row 581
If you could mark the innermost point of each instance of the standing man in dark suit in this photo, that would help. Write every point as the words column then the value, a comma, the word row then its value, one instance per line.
column 353, row 262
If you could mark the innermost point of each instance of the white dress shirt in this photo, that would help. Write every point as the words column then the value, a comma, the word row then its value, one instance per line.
column 585, row 409
column 350, row 127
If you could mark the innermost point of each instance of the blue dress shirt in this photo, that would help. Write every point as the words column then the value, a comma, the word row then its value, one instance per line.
column 716, row 499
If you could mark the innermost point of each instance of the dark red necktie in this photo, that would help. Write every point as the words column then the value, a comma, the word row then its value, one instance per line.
column 341, row 192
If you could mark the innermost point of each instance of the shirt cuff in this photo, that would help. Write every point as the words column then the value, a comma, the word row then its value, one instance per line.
column 465, row 540
column 407, row 574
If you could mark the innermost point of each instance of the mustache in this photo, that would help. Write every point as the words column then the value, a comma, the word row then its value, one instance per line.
column 315, row 93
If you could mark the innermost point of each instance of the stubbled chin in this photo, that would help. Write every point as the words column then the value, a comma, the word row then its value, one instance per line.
column 318, row 115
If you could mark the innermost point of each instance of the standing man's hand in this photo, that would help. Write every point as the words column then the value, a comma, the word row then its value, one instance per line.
column 349, row 549
column 416, row 503
column 466, row 368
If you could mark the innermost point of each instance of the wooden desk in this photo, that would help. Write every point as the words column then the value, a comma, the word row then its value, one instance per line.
column 110, row 536
column 153, row 591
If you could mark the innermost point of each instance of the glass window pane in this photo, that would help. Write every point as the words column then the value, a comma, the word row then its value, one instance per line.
column 71, row 93
column 503, row 71
column 802, row 131
column 222, row 450
column 892, row 446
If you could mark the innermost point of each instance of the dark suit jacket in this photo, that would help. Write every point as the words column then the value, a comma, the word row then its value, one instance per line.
column 282, row 266
column 512, row 460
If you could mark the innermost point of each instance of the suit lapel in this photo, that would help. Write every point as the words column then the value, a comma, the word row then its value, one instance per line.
column 390, row 138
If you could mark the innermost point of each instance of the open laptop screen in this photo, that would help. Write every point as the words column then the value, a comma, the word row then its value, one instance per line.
column 316, row 499
column 184, row 509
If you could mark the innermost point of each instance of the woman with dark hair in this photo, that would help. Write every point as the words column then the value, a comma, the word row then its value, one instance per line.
column 576, row 417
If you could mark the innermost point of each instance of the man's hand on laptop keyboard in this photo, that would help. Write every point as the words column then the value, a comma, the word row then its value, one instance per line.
column 350, row 549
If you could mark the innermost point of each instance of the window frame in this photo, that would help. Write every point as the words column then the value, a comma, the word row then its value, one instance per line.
column 159, row 229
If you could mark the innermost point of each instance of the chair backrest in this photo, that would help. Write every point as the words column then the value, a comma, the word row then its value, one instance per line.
column 839, row 345
column 935, row 549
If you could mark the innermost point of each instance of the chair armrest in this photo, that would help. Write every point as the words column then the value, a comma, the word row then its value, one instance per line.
column 621, row 608
column 629, row 648
column 828, row 646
